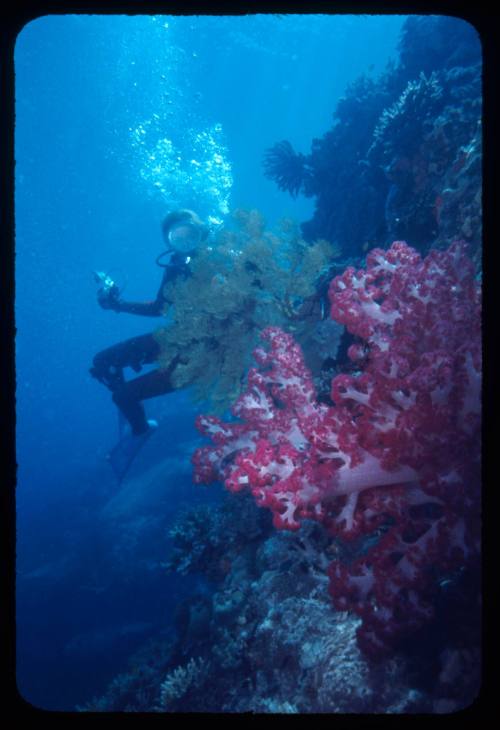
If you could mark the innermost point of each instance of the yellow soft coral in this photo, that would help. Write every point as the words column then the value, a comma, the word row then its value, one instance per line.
column 247, row 279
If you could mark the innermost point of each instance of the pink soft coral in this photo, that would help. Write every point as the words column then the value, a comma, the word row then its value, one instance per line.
column 398, row 451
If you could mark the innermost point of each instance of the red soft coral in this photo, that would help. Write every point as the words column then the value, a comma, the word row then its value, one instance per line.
column 399, row 450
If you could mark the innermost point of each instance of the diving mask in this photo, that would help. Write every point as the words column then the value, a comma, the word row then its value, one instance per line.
column 184, row 237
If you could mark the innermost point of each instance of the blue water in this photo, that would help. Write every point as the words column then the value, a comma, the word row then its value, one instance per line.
column 88, row 197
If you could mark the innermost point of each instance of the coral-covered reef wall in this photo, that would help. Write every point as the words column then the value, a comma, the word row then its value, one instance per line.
column 403, row 158
column 267, row 641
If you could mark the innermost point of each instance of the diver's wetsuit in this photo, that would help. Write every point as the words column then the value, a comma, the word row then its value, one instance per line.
column 138, row 351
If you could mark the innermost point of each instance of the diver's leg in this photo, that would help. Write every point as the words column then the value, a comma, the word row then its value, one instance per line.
column 108, row 364
column 128, row 395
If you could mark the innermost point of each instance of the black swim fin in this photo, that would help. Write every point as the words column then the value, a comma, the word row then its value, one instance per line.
column 123, row 454
column 122, row 421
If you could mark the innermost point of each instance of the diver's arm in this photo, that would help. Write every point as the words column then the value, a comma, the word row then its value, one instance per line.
column 147, row 309
column 153, row 308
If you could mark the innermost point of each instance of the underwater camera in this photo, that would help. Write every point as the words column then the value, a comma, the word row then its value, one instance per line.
column 108, row 291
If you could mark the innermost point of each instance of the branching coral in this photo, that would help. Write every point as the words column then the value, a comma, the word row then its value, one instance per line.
column 246, row 280
column 181, row 681
column 401, row 127
column 203, row 538
column 136, row 689
column 420, row 143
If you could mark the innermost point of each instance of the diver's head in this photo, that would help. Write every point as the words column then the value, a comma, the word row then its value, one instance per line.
column 183, row 231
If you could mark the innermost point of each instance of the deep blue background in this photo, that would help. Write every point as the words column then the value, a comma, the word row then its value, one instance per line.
column 82, row 82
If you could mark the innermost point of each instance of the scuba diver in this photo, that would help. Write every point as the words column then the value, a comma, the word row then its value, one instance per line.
column 183, row 232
